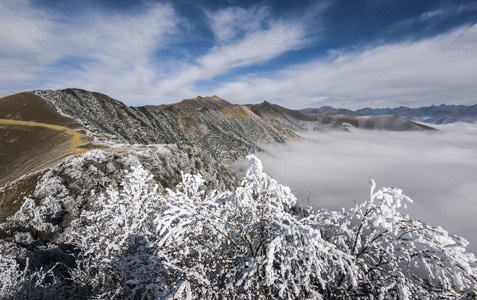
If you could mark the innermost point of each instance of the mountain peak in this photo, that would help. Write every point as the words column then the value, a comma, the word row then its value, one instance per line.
column 199, row 102
column 266, row 106
column 270, row 110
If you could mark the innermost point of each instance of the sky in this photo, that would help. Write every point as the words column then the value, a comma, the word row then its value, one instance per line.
column 436, row 169
column 298, row 54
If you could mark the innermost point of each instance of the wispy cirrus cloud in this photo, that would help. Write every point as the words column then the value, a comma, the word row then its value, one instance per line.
column 121, row 53
column 432, row 18
column 122, row 49
column 244, row 37
column 25, row 36
column 232, row 23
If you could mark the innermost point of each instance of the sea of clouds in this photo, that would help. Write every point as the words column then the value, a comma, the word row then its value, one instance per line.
column 438, row 170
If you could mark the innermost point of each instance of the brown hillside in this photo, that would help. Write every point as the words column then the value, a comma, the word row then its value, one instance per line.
column 273, row 111
column 213, row 103
column 238, row 112
column 33, row 136
column 27, row 106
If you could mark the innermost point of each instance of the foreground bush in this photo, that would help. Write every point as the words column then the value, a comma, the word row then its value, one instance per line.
column 253, row 242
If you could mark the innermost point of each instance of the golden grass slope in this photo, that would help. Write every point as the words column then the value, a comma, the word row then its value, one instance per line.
column 76, row 140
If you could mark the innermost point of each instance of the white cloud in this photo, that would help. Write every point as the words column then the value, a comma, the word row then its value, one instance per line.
column 437, row 69
column 246, row 37
column 116, row 50
column 231, row 23
column 122, row 49
column 256, row 47
column 437, row 170
column 432, row 18
column 25, row 45
column 120, row 54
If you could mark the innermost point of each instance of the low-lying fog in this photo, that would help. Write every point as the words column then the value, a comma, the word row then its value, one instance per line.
column 438, row 170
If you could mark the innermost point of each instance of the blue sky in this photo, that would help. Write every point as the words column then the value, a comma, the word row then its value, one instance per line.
column 353, row 54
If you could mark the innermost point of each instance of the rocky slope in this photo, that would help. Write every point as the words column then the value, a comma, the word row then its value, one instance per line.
column 220, row 128
column 224, row 130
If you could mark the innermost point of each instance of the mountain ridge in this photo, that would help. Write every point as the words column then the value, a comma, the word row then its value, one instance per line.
column 223, row 130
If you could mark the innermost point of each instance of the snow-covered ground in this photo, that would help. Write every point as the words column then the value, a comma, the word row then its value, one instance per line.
column 438, row 170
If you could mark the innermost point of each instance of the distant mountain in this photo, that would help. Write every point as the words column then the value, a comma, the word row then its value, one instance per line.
column 297, row 120
column 441, row 114
column 328, row 110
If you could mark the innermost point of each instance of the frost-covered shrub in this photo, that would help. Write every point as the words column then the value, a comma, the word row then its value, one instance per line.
column 251, row 243
column 35, row 219
column 137, row 242
column 395, row 256
column 246, row 244
column 114, row 238
column 35, row 271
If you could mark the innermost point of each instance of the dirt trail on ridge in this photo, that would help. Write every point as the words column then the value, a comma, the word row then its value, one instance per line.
column 27, row 147
column 76, row 140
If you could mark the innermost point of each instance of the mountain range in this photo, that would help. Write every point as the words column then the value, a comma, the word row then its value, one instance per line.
column 68, row 155
column 41, row 129
column 442, row 114
column 223, row 130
